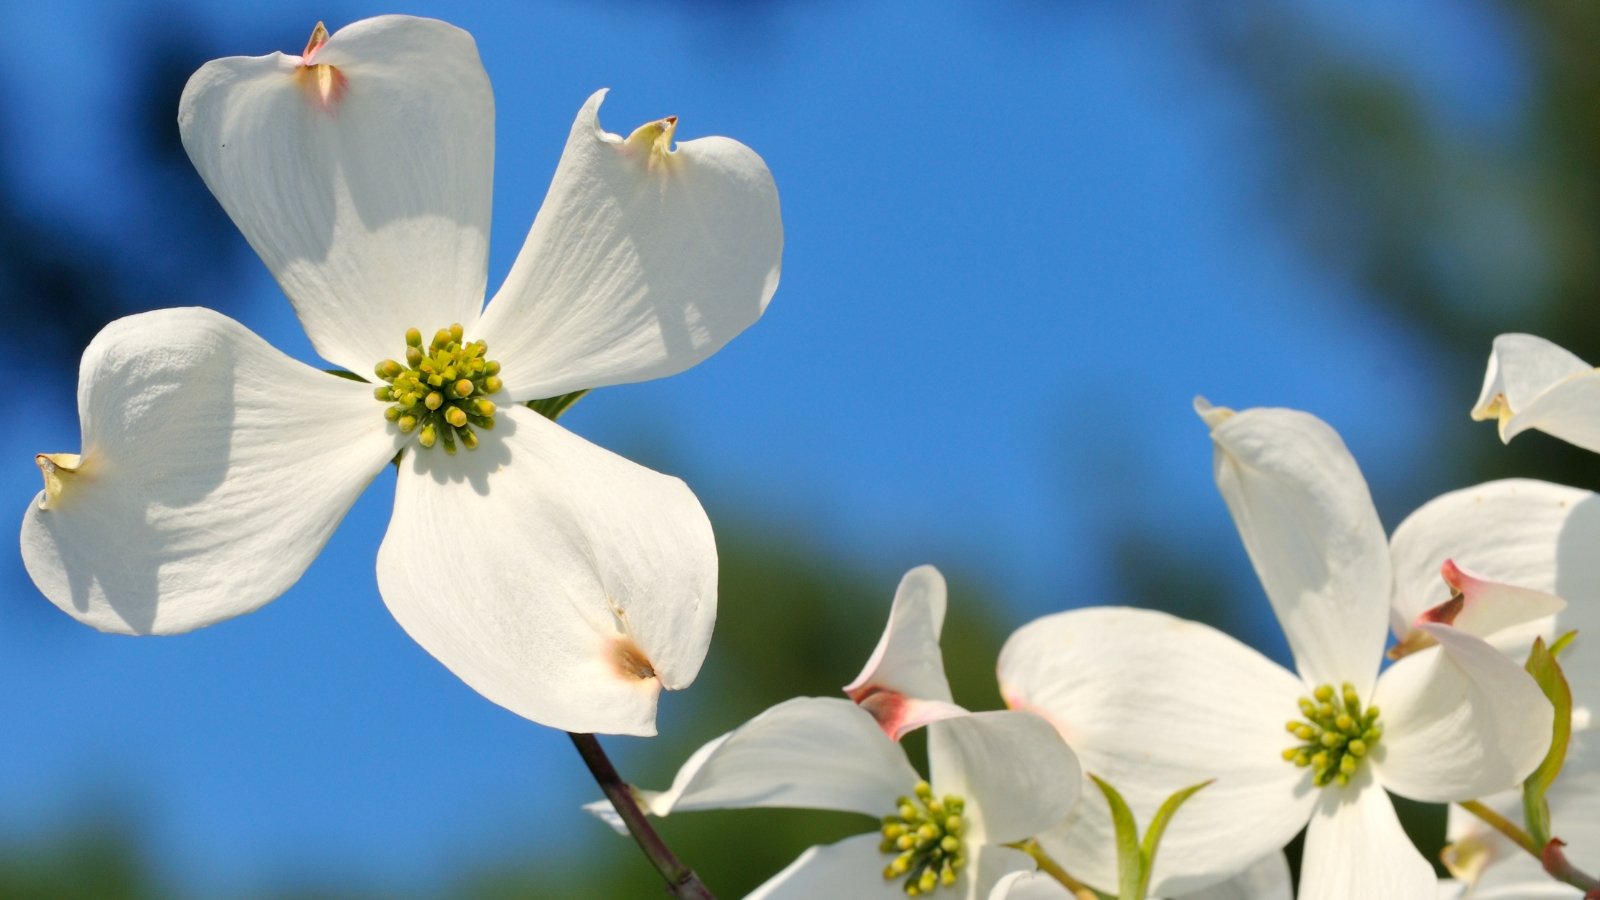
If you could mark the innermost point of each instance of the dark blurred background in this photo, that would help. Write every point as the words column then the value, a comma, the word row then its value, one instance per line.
column 1021, row 236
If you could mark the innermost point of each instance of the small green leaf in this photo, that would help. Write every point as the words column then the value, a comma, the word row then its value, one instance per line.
column 1546, row 671
column 1130, row 862
column 1562, row 643
column 552, row 407
column 1158, row 826
column 343, row 374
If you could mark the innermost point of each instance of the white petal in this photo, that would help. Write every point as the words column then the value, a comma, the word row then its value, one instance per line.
column 1265, row 879
column 853, row 868
column 213, row 470
column 1305, row 516
column 1569, row 410
column 805, row 753
column 1527, row 533
column 1460, row 721
column 371, row 208
column 640, row 263
column 1154, row 704
column 1017, row 775
column 1521, row 368
column 1025, row 885
column 903, row 684
column 1355, row 847
column 1487, row 609
column 556, row 578
column 848, row 869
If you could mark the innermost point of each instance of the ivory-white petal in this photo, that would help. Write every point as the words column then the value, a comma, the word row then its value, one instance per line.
column 556, row 578
column 1025, row 885
column 805, row 753
column 640, row 263
column 903, row 684
column 213, row 470
column 1460, row 722
column 1308, row 523
column 1154, row 704
column 847, row 869
column 1016, row 774
column 370, row 208
column 1521, row 368
column 1355, row 847
column 1265, row 879
column 1532, row 534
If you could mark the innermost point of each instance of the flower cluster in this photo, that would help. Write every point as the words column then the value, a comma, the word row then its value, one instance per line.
column 571, row 586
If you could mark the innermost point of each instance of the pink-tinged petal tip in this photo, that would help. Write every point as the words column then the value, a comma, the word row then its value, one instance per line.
column 1477, row 606
column 325, row 83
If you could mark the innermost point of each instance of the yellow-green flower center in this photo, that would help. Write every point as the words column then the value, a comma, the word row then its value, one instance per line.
column 1336, row 734
column 441, row 393
column 924, row 834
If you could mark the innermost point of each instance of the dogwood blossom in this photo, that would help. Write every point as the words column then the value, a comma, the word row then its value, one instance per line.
column 1533, row 383
column 1153, row 703
column 1541, row 536
column 995, row 778
column 557, row 579
column 903, row 685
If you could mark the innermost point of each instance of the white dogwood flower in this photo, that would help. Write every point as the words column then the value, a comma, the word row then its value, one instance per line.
column 1539, row 536
column 557, row 579
column 995, row 778
column 1532, row 383
column 1153, row 703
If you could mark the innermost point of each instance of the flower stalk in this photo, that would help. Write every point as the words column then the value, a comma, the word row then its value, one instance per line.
column 681, row 880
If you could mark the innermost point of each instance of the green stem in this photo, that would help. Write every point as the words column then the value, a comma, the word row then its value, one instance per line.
column 1052, row 868
column 681, row 880
column 1505, row 826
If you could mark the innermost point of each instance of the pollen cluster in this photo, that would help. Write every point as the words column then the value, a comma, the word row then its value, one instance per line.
column 441, row 393
column 1336, row 734
column 924, row 833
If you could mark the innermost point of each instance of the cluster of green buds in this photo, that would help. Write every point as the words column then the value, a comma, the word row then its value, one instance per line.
column 441, row 393
column 924, row 833
column 1336, row 734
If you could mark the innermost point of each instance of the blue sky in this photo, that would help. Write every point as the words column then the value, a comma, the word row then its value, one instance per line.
column 1021, row 237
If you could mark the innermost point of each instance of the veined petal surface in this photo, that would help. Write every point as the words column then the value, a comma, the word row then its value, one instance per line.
column 556, row 578
column 853, row 868
column 1308, row 523
column 805, row 753
column 849, row 868
column 1017, row 775
column 1460, row 722
column 370, row 205
column 1355, row 847
column 641, row 262
column 903, row 684
column 213, row 470
column 1265, row 879
column 1154, row 704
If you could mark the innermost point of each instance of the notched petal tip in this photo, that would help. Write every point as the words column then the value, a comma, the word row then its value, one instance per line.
column 325, row 83
column 1211, row 415
column 630, row 661
column 319, row 36
column 653, row 141
column 58, row 469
